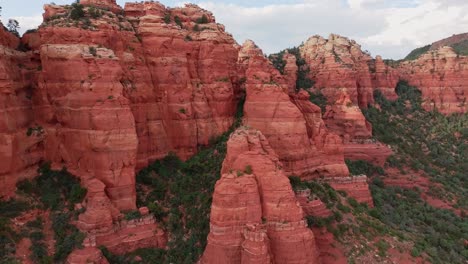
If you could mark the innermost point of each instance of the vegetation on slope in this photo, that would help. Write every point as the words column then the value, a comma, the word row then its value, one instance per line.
column 179, row 194
column 303, row 81
column 416, row 53
column 427, row 141
column 461, row 48
column 57, row 191
column 400, row 220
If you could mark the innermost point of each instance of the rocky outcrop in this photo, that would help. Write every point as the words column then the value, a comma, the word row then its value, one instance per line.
column 290, row 71
column 89, row 124
column 105, row 4
column 255, row 217
column 20, row 136
column 347, row 120
column 338, row 63
column 385, row 78
column 194, row 74
column 143, row 86
column 312, row 205
column 89, row 255
column 295, row 131
column 113, row 92
column 441, row 75
column 356, row 187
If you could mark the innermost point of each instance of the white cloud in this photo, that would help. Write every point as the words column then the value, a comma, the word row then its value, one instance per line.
column 278, row 26
column 388, row 28
column 26, row 22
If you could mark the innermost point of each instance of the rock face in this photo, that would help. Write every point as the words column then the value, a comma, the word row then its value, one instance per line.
column 90, row 127
column 356, row 186
column 255, row 217
column 295, row 131
column 312, row 205
column 106, row 94
column 338, row 63
column 105, row 4
column 20, row 136
column 121, row 91
column 89, row 255
column 348, row 77
column 441, row 75
column 290, row 71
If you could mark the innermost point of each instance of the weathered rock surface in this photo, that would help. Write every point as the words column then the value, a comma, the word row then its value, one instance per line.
column 356, row 187
column 338, row 63
column 20, row 151
column 255, row 217
column 293, row 127
column 106, row 4
column 90, row 127
column 290, row 71
column 90, row 255
column 312, row 205
column 441, row 75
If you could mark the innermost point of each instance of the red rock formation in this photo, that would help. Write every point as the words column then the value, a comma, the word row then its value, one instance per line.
column 20, row 151
column 290, row 71
column 103, row 225
column 356, row 187
column 256, row 246
column 106, row 4
column 254, row 192
column 90, row 255
column 347, row 120
column 269, row 109
column 89, row 123
column 194, row 76
column 331, row 252
column 385, row 79
column 441, row 75
column 311, row 205
column 339, row 63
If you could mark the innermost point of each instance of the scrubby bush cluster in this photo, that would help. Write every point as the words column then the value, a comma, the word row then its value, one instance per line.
column 180, row 195
column 303, row 81
column 424, row 140
column 58, row 191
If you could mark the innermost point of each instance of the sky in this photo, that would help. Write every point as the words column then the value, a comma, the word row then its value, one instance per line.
column 391, row 28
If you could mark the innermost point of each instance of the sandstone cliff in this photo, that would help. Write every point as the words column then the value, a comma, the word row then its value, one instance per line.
column 255, row 217
column 305, row 148
column 441, row 75
column 337, row 62
column 20, row 135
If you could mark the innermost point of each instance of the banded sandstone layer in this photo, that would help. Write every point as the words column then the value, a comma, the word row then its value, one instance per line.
column 255, row 217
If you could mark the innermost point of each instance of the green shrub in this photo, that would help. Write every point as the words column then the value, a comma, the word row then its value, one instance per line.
column 77, row 11
column 416, row 53
column 93, row 51
column 382, row 247
column 167, row 18
column 202, row 20
column 132, row 215
column 178, row 21
column 94, row 12
column 248, row 169
column 360, row 167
